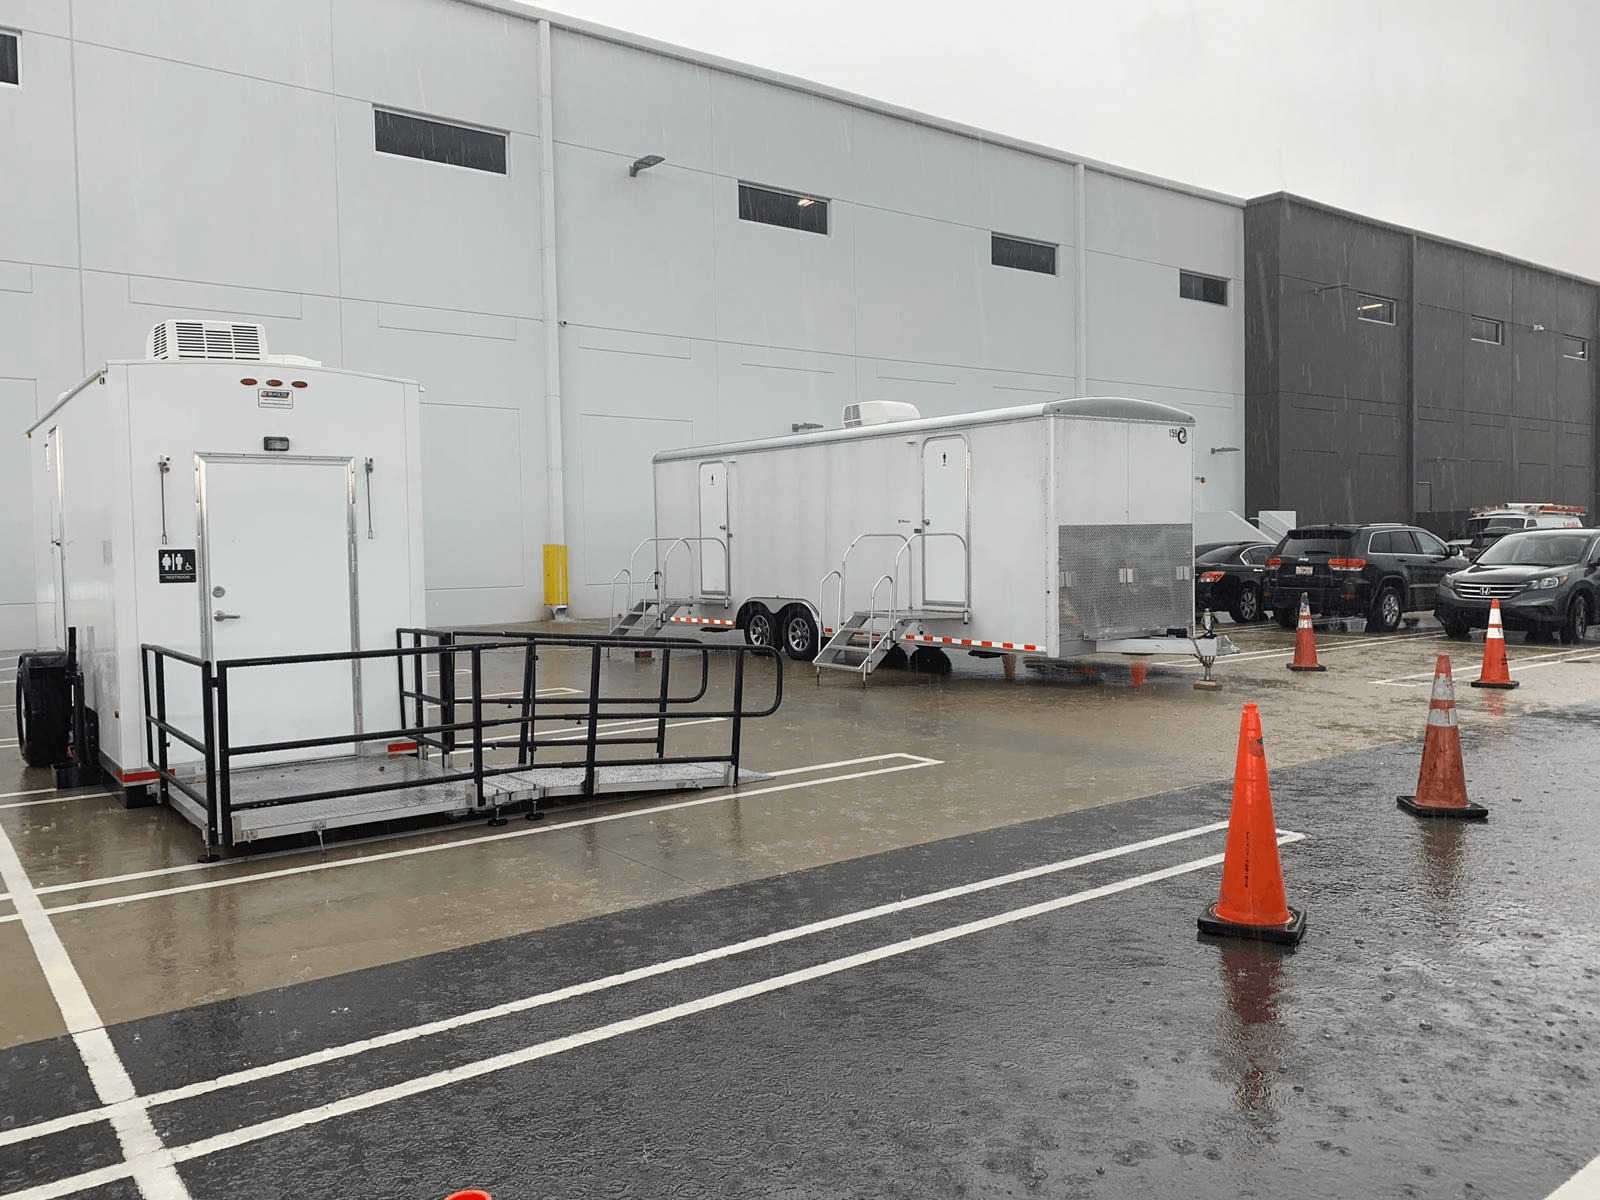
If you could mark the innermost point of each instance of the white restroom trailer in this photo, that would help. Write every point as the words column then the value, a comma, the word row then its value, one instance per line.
column 1050, row 530
column 229, row 504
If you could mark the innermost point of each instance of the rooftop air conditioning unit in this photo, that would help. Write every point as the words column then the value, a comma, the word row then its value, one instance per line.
column 878, row 412
column 223, row 340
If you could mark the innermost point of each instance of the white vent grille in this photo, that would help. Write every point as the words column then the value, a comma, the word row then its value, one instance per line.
column 221, row 340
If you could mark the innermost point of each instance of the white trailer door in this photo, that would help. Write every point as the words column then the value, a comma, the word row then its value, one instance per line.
column 713, row 528
column 944, row 512
column 278, row 576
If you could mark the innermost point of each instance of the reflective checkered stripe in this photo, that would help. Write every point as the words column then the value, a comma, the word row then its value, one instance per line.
column 703, row 621
column 944, row 641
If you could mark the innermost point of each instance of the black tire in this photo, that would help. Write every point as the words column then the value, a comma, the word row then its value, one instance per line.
column 1287, row 618
column 798, row 633
column 1387, row 609
column 1246, row 606
column 1576, row 625
column 759, row 628
column 44, row 709
column 930, row 660
column 1456, row 628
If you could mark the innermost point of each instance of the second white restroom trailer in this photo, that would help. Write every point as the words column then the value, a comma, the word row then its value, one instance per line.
column 1049, row 530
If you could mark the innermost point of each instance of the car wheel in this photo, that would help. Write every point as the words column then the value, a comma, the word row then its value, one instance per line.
column 1457, row 629
column 1287, row 618
column 758, row 628
column 1576, row 625
column 1246, row 606
column 1386, row 612
column 799, row 633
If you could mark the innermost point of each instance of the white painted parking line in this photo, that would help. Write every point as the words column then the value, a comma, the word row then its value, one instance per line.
column 1344, row 642
column 1525, row 662
column 913, row 762
column 1585, row 1185
column 34, row 792
column 145, row 1155
column 644, row 1021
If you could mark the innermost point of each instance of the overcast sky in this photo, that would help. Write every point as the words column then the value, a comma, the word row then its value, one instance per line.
column 1470, row 119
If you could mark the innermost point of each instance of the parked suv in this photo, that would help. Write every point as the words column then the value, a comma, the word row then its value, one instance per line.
column 1545, row 579
column 1380, row 572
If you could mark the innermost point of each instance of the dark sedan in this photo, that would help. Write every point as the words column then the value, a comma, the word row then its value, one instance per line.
column 1228, row 579
column 1545, row 579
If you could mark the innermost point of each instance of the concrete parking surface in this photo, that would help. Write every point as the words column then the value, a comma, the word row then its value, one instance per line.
column 947, row 948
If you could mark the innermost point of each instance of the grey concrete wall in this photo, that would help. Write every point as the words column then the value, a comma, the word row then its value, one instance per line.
column 1353, row 420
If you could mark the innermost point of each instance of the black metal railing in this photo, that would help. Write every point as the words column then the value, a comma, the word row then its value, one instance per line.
column 433, row 722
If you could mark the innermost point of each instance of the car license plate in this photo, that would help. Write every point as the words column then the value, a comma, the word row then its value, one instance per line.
column 1302, row 570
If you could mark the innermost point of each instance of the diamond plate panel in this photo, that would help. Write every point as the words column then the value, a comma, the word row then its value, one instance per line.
column 1124, row 580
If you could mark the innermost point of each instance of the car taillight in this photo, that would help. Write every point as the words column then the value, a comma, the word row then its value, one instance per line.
column 1212, row 576
column 1274, row 562
column 1347, row 564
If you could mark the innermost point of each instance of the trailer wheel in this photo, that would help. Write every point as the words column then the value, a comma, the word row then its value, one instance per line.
column 758, row 628
column 44, row 708
column 799, row 633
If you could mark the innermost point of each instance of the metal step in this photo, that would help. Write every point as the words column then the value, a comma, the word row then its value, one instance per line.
column 647, row 617
column 858, row 646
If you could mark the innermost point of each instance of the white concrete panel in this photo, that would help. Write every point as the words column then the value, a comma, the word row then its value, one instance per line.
column 287, row 41
column 614, row 456
column 472, row 498
column 38, row 225
column 764, row 393
column 1135, row 220
column 782, row 287
column 1142, row 332
column 780, row 138
column 117, row 324
column 460, row 239
column 917, row 286
column 36, row 16
column 41, row 322
column 16, row 497
column 1026, row 196
column 636, row 253
column 591, row 110
column 914, row 169
column 205, row 176
column 439, row 59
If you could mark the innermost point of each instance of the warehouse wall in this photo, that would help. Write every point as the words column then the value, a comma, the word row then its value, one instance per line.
column 194, row 159
column 1360, row 420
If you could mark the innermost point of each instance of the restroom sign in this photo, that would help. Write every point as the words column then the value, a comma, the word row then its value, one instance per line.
column 177, row 566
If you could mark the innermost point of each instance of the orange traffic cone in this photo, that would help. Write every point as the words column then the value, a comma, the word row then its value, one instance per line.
column 1496, row 673
column 1252, row 903
column 1442, row 784
column 1305, row 642
column 1138, row 672
column 469, row 1194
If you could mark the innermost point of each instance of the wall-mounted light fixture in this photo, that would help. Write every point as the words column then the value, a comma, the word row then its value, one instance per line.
column 1225, row 449
column 1328, row 287
column 804, row 427
column 644, row 164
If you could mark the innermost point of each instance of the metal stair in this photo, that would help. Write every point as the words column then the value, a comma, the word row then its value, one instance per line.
column 646, row 618
column 860, row 644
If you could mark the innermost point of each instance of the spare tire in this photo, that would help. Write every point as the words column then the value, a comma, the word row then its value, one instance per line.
column 44, row 708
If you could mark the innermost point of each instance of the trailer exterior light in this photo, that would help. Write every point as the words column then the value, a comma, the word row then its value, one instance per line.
column 278, row 444
column 248, row 382
column 274, row 383
column 299, row 383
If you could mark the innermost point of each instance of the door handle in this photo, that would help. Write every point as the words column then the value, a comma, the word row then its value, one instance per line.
column 219, row 616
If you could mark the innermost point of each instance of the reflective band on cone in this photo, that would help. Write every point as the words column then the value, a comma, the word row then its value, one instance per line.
column 1442, row 782
column 1305, row 642
column 1251, row 904
column 1496, row 671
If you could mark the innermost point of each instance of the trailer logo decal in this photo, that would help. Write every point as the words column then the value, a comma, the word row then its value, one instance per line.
column 274, row 398
column 177, row 566
column 1180, row 433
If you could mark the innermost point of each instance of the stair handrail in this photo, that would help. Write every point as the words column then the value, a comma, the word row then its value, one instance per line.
column 844, row 563
column 966, row 557
column 656, row 580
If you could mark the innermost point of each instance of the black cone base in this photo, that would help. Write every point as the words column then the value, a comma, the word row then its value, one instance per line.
column 1504, row 687
column 1284, row 935
column 1464, row 812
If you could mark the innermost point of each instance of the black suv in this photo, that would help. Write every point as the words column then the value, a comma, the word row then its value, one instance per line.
column 1379, row 572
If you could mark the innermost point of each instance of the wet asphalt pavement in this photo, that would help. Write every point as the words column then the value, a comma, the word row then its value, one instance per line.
column 1434, row 1035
